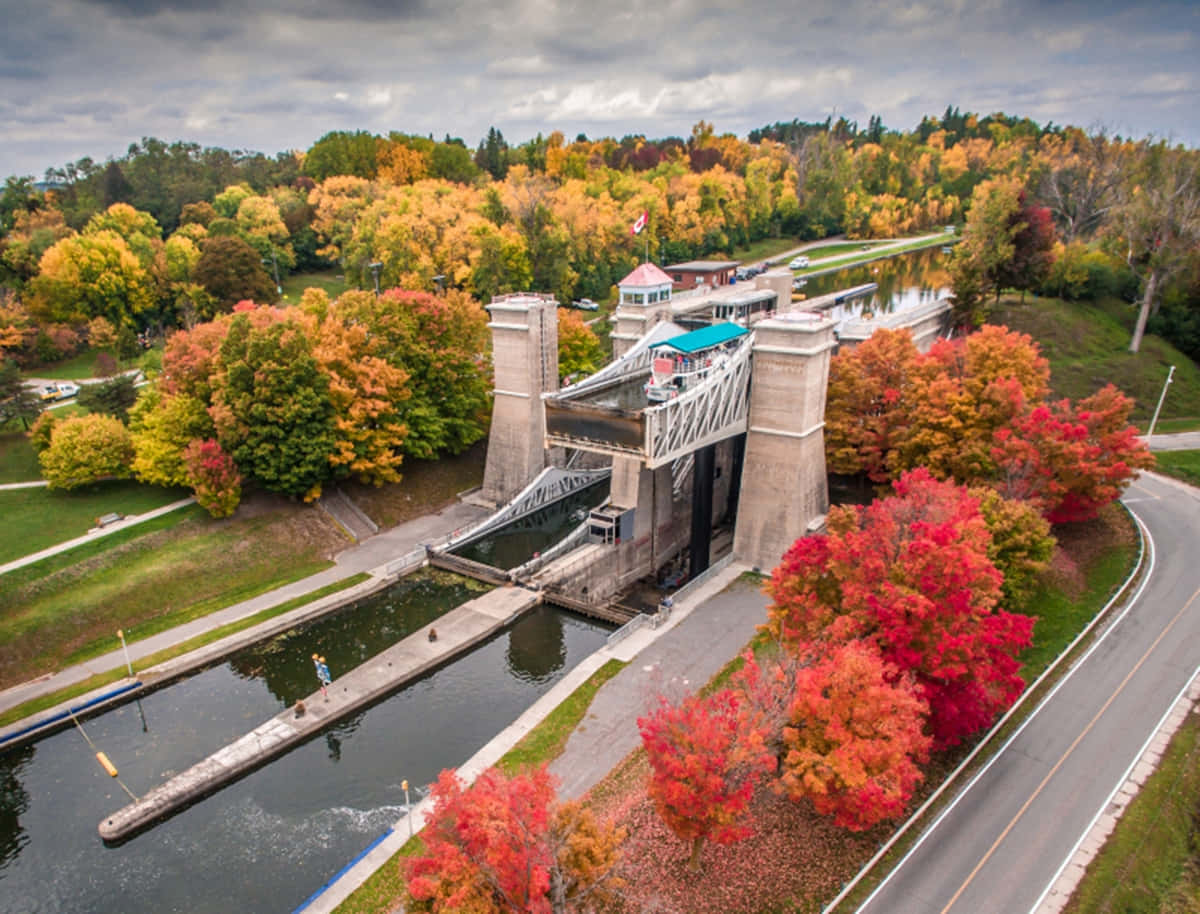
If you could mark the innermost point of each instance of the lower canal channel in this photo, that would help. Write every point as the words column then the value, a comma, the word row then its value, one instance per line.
column 268, row 841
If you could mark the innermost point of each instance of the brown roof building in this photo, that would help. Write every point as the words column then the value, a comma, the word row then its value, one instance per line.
column 701, row 273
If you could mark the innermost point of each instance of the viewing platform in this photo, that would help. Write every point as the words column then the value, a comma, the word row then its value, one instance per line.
column 457, row 631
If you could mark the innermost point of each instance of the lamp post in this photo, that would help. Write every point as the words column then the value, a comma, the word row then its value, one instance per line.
column 1161, row 397
column 440, row 282
column 375, row 266
column 128, row 665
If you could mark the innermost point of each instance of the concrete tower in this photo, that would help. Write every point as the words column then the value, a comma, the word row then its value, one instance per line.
column 784, row 493
column 524, row 329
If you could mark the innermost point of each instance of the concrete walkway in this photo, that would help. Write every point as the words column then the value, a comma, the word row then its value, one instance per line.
column 1180, row 441
column 368, row 556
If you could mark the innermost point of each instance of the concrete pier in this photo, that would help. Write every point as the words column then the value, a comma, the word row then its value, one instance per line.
column 457, row 631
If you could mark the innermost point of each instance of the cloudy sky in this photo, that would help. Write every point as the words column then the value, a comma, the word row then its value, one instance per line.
column 88, row 77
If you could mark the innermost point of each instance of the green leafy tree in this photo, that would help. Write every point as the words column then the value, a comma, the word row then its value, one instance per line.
column 1022, row 544
column 271, row 404
column 42, row 431
column 84, row 449
column 16, row 400
column 110, row 398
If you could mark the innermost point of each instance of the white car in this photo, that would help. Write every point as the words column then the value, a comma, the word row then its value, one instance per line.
column 798, row 263
column 60, row 390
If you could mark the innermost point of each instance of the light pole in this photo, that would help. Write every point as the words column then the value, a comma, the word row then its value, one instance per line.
column 1161, row 397
column 375, row 266
column 129, row 666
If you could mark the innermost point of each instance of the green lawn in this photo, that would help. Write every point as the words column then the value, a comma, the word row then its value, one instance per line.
column 65, row 609
column 1173, row 426
column 1087, row 345
column 294, row 285
column 1183, row 465
column 18, row 462
column 1149, row 863
column 35, row 519
column 72, row 369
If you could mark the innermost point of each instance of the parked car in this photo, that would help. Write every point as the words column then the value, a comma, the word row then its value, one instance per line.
column 743, row 273
column 58, row 390
column 798, row 263
column 585, row 304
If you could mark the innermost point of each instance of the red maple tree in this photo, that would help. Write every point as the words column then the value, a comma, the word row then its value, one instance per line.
column 1072, row 459
column 706, row 759
column 910, row 574
column 503, row 845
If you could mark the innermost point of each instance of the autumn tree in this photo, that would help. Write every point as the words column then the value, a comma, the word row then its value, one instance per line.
column 706, row 759
column 502, row 845
column 1080, row 178
column 84, row 449
column 162, row 426
column 865, row 403
column 213, row 476
column 441, row 342
column 1022, row 543
column 910, row 574
column 369, row 395
column 1072, row 459
column 271, row 403
column 987, row 245
column 854, row 741
column 579, row 349
column 94, row 275
column 1033, row 240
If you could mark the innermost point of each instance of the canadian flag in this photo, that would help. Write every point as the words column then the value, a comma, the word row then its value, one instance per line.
column 637, row 227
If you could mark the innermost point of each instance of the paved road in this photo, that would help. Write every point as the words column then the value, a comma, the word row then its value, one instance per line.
column 996, row 849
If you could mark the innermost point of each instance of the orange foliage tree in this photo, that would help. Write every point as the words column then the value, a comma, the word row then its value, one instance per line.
column 503, row 845
column 854, row 741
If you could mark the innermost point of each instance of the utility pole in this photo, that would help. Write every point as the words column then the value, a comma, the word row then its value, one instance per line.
column 1161, row 397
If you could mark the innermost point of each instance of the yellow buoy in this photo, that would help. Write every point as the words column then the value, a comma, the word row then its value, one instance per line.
column 106, row 764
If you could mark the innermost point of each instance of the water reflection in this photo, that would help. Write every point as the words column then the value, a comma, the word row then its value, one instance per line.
column 905, row 281
column 352, row 635
column 537, row 651
column 14, row 801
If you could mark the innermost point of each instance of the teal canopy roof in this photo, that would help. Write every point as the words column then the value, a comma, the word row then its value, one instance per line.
column 704, row 338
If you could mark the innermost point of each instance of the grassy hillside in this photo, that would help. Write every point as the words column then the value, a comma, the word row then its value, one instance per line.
column 1088, row 346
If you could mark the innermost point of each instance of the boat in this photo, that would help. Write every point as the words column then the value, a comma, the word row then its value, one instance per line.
column 681, row 362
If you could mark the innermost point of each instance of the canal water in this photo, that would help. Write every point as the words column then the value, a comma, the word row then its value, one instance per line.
column 517, row 542
column 905, row 281
column 268, row 841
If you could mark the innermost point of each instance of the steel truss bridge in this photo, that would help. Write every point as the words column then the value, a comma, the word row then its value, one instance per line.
column 609, row 413
column 551, row 485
